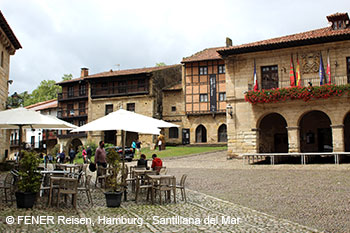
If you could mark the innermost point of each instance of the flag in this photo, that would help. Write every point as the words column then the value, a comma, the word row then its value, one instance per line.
column 256, row 87
column 291, row 73
column 321, row 71
column 297, row 73
column 329, row 70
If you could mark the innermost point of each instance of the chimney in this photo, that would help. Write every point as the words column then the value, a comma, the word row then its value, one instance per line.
column 228, row 42
column 84, row 72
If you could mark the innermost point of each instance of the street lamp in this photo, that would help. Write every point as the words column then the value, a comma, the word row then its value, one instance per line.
column 229, row 110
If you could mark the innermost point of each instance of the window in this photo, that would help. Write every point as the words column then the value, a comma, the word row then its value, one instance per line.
column 82, row 90
column 269, row 77
column 348, row 68
column 82, row 108
column 70, row 91
column 222, row 96
column 70, row 109
column 203, row 70
column 173, row 108
column 104, row 86
column 130, row 107
column 2, row 59
column 221, row 69
column 81, row 122
column 203, row 98
column 108, row 109
column 173, row 132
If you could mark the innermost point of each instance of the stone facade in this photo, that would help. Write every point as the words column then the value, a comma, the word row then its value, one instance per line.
column 8, row 46
column 317, row 125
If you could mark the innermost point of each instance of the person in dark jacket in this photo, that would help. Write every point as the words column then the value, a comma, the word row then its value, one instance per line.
column 142, row 162
column 71, row 155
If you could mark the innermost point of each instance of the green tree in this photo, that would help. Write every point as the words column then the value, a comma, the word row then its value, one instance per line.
column 47, row 90
column 67, row 77
column 160, row 64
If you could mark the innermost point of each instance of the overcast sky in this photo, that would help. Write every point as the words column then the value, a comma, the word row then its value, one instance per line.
column 61, row 36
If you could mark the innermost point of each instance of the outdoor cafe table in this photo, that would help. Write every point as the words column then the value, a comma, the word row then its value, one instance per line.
column 155, row 181
column 54, row 179
column 71, row 167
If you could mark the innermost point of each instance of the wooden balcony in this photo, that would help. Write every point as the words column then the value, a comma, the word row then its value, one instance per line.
column 72, row 95
column 72, row 113
column 111, row 91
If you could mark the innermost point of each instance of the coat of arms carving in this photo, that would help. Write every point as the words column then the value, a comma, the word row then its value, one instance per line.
column 310, row 62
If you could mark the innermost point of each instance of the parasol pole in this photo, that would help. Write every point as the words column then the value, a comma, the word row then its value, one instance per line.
column 20, row 142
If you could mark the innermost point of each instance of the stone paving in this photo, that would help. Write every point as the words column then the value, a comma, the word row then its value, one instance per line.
column 201, row 213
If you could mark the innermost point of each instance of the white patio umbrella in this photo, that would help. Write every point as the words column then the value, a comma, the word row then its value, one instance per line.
column 22, row 118
column 126, row 121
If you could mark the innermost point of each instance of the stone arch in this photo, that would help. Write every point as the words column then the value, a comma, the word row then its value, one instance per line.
column 75, row 143
column 222, row 133
column 273, row 134
column 346, row 123
column 315, row 132
column 201, row 133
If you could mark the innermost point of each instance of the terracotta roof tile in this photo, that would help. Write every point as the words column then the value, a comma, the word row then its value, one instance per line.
column 304, row 38
column 206, row 54
column 43, row 105
column 130, row 71
column 120, row 73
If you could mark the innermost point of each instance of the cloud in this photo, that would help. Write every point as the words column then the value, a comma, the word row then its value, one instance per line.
column 60, row 37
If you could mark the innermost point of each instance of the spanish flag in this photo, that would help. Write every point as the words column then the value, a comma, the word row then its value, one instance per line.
column 297, row 72
column 291, row 73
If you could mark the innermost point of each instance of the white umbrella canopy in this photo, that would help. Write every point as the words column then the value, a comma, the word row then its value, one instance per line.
column 26, row 118
column 127, row 121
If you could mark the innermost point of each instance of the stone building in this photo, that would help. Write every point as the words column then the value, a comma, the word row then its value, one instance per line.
column 8, row 46
column 198, row 105
column 289, row 123
column 138, row 90
column 73, row 108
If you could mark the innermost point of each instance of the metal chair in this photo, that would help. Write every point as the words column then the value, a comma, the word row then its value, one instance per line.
column 8, row 190
column 68, row 186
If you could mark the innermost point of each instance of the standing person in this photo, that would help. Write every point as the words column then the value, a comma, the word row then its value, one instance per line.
column 84, row 154
column 100, row 155
column 133, row 145
column 157, row 163
column 138, row 146
column 160, row 145
column 71, row 155
column 62, row 156
column 89, row 153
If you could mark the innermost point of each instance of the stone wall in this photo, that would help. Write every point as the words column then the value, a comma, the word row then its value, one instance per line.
column 243, row 127
column 4, row 77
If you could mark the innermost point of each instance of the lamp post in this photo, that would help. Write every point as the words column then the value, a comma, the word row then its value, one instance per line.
column 229, row 110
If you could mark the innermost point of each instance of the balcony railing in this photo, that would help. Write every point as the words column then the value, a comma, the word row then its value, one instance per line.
column 70, row 113
column 14, row 143
column 72, row 95
column 119, row 90
column 338, row 80
column 51, row 135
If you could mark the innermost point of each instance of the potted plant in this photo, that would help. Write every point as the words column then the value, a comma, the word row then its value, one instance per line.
column 115, row 181
column 29, row 180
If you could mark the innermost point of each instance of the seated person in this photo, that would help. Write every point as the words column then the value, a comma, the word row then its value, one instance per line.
column 156, row 163
column 142, row 162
